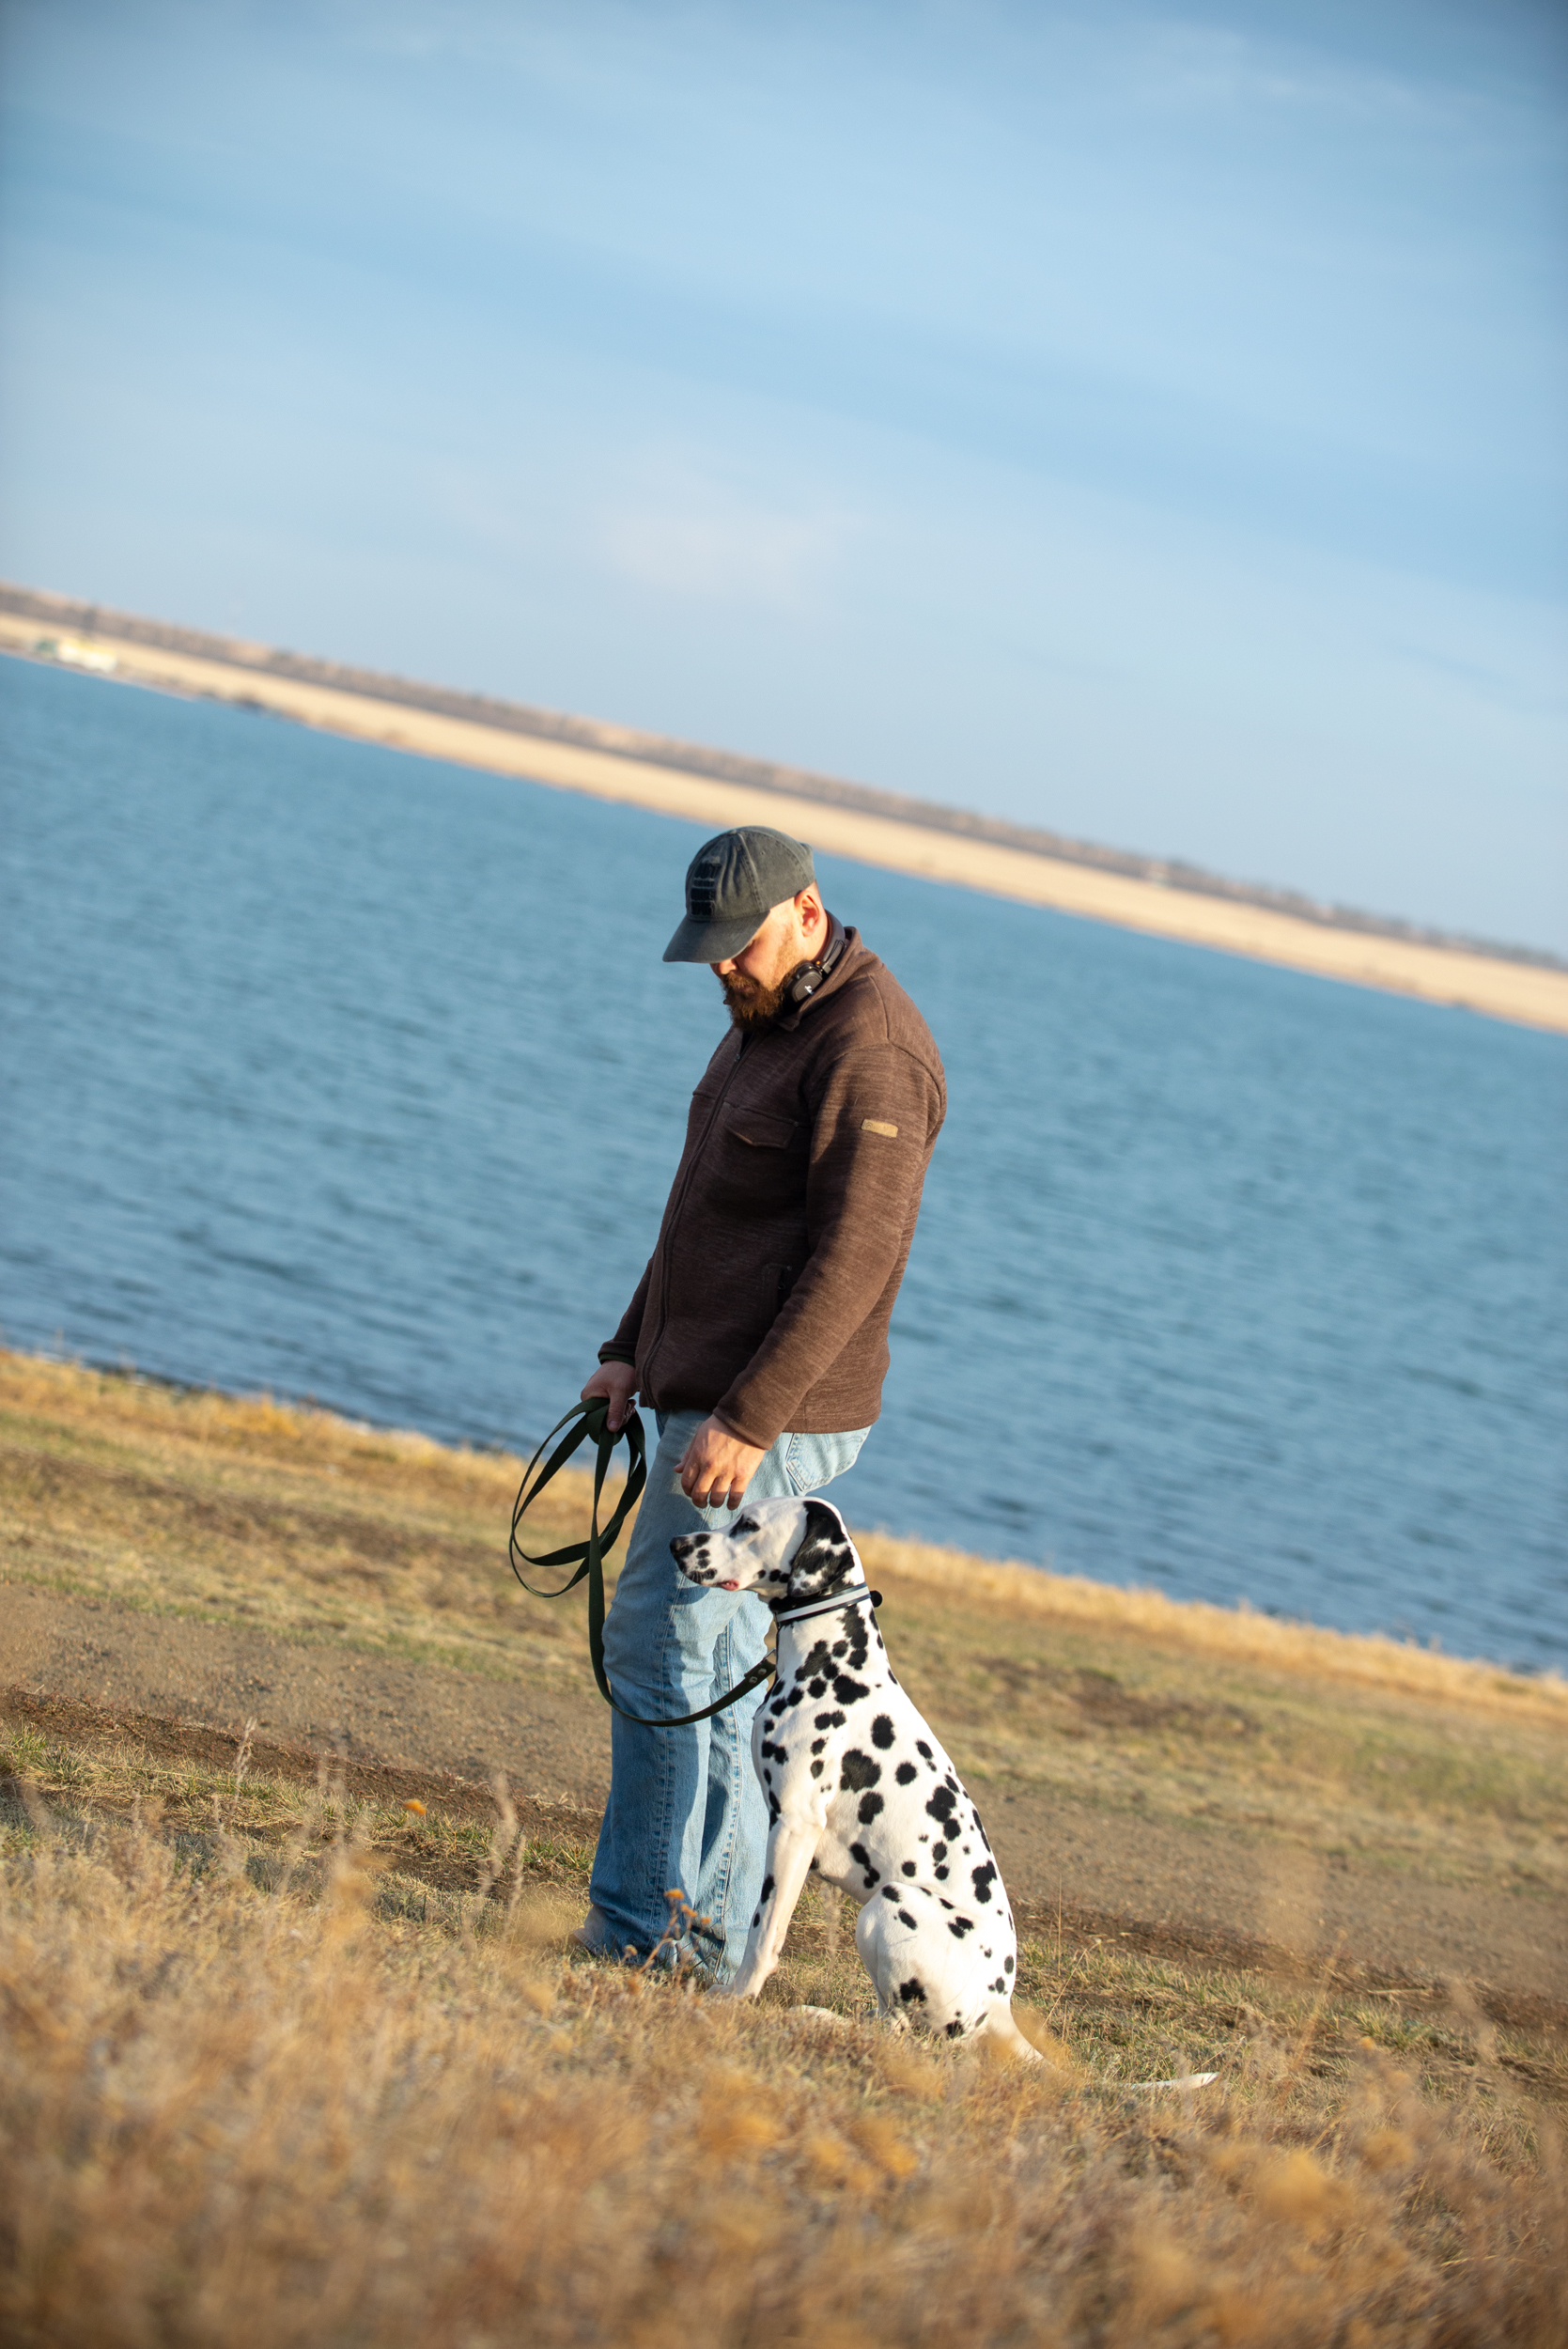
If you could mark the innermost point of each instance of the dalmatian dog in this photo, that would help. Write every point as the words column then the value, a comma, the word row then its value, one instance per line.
column 859, row 1788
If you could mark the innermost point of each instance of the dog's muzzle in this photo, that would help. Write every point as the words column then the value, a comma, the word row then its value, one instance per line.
column 688, row 1548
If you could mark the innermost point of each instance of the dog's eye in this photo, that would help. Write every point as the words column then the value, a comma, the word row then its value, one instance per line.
column 744, row 1525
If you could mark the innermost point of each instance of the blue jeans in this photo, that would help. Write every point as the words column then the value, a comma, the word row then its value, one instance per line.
column 686, row 1805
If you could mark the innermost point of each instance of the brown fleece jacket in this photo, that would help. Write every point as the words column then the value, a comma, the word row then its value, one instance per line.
column 789, row 1221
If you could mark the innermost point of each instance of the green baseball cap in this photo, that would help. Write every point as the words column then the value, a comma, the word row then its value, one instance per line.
column 732, row 885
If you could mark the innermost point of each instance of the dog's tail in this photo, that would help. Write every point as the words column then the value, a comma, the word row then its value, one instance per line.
column 1000, row 2024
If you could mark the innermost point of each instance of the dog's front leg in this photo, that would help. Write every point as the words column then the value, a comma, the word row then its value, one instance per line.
column 790, row 1852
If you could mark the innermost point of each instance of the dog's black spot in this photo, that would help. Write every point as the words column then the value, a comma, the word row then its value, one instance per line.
column 982, row 1879
column 923, row 1749
column 998, row 1983
column 892, row 1892
column 938, row 1851
column 858, row 1770
column 795, row 1695
column 830, row 1721
column 815, row 1687
column 840, row 1647
column 905, row 1919
column 818, row 1744
column 958, row 1926
column 849, row 1691
column 881, row 1731
column 861, row 1858
column 904, row 1772
column 946, row 1904
column 940, row 1806
column 870, row 1805
column 910, row 1868
column 773, row 1805
column 913, row 1991
column 757, row 1919
column 1006, row 1965
column 955, row 2030
column 942, row 1874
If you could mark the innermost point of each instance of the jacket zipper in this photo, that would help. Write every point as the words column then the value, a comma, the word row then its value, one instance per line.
column 680, row 1202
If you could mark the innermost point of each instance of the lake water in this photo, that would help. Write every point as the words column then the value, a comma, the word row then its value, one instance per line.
column 344, row 1073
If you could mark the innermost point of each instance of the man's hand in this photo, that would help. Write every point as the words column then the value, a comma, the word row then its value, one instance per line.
column 716, row 1466
column 617, row 1383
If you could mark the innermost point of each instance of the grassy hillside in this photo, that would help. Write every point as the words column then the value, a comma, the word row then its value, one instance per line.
column 293, row 2052
column 305, row 1524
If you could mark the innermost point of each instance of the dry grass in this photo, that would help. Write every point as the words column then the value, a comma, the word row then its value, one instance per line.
column 1126, row 2009
column 258, row 2095
column 239, row 1509
column 1240, row 1633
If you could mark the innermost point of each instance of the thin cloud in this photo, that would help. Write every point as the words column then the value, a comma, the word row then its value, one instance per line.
column 696, row 538
column 1184, row 66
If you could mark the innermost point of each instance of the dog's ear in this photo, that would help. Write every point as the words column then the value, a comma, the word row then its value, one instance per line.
column 824, row 1554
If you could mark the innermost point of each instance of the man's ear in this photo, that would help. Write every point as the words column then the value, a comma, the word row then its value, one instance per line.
column 824, row 1554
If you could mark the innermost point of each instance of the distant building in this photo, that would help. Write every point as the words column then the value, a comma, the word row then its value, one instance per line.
column 72, row 650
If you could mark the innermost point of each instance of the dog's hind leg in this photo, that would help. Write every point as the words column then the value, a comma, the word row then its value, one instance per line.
column 790, row 1852
column 997, row 2023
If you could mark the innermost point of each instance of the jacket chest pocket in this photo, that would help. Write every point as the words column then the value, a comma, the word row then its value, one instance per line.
column 762, row 1159
column 764, row 1130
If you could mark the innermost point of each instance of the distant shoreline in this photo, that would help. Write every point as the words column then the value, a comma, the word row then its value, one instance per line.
column 718, row 788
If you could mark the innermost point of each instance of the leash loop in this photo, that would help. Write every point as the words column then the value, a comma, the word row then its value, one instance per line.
column 584, row 1420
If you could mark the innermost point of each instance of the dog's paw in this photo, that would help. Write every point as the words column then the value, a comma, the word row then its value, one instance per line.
column 823, row 2015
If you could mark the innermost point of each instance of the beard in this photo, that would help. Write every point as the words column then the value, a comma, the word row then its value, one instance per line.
column 751, row 1004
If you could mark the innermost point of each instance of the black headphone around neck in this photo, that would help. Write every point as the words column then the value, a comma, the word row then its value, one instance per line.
column 802, row 985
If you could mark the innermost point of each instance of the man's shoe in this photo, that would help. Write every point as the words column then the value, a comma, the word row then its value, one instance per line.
column 593, row 1935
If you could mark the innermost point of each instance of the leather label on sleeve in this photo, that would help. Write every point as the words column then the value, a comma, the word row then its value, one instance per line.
column 878, row 1126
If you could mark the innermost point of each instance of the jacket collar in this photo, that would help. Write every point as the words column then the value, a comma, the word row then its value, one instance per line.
column 856, row 954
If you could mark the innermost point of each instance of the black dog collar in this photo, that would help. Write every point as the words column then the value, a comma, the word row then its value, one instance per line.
column 830, row 1606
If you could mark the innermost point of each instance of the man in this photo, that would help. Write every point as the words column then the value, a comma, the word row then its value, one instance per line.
column 758, row 1334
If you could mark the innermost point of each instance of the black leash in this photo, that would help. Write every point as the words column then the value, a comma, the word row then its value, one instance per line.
column 593, row 1419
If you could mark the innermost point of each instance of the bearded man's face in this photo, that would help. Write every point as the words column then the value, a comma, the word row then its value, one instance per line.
column 755, row 980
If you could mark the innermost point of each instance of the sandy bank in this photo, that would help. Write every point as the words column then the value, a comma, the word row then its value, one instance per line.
column 1525, row 993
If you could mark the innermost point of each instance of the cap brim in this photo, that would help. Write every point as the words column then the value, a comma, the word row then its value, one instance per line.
column 709, row 942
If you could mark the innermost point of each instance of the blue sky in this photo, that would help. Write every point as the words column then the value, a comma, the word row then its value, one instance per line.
column 1146, row 421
